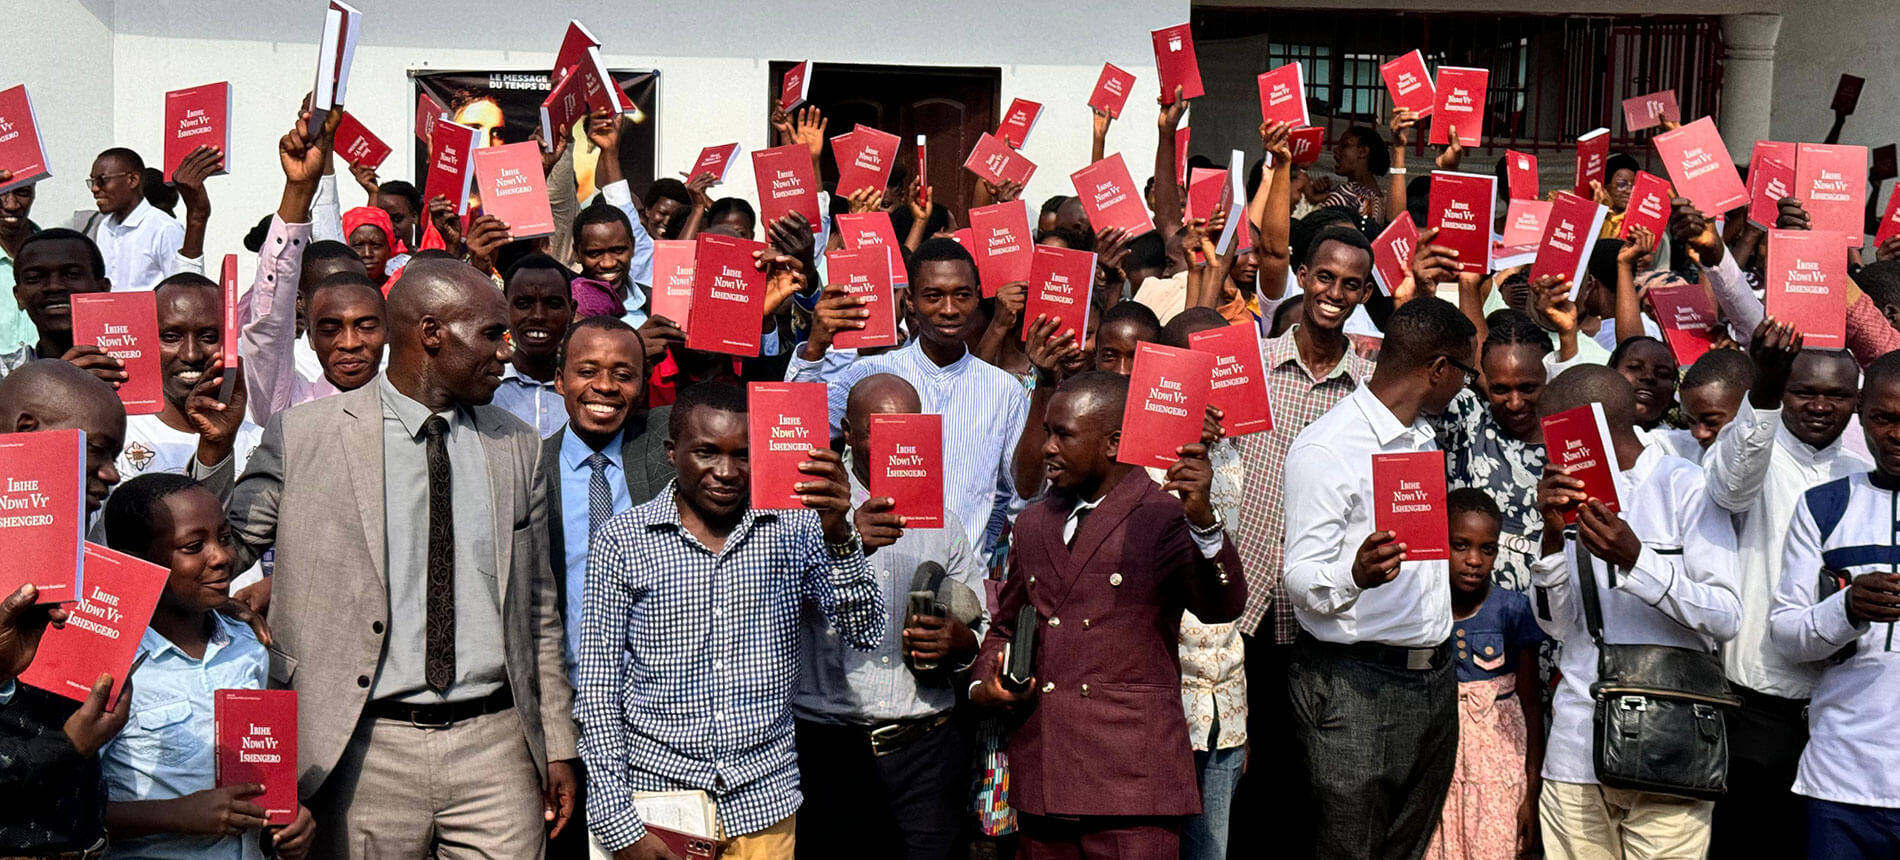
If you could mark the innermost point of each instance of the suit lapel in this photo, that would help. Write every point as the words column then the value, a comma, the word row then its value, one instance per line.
column 557, row 531
column 363, row 457
column 1098, row 526
column 498, row 451
column 633, row 460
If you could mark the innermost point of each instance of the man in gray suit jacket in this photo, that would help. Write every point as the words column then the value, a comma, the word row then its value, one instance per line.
column 412, row 604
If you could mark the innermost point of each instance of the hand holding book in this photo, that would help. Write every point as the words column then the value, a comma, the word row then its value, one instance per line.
column 1191, row 478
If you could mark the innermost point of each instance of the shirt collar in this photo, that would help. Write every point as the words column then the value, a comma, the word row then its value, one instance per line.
column 663, row 512
column 1385, row 426
column 509, row 373
column 156, row 645
column 1285, row 350
column 1803, row 453
column 931, row 368
column 407, row 410
column 574, row 452
column 137, row 216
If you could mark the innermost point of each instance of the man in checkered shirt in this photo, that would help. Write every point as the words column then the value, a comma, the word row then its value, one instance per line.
column 690, row 635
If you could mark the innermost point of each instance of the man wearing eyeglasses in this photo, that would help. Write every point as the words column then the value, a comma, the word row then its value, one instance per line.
column 1373, row 683
column 139, row 242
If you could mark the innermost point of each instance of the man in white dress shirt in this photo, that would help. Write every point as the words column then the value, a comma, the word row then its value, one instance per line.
column 1374, row 688
column 139, row 242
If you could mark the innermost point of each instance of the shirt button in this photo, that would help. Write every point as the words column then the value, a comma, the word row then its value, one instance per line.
column 1085, row 691
column 718, row 715
column 887, row 659
column 1115, row 579
column 362, row 680
column 376, row 627
column 1049, row 687
column 717, row 664
column 1085, row 624
column 1055, row 622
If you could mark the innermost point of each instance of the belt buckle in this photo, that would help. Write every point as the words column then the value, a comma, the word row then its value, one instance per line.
column 1419, row 659
column 413, row 721
column 883, row 735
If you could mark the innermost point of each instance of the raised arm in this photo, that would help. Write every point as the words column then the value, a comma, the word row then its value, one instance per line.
column 1167, row 214
column 1272, row 210
column 1629, row 309
column 267, row 341
column 1738, row 460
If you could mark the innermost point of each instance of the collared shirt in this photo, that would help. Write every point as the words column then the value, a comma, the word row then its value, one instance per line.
column 577, row 480
column 689, row 660
column 268, row 341
column 532, row 401
column 1674, row 441
column 1681, row 592
column 984, row 403
column 1329, row 470
column 1299, row 398
column 168, row 748
column 640, row 266
column 478, row 660
column 1853, row 750
column 1757, row 471
column 15, row 359
column 141, row 250
column 16, row 328
column 842, row 684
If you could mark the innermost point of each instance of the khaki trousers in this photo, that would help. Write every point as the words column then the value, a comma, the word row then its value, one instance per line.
column 772, row 843
column 1591, row 822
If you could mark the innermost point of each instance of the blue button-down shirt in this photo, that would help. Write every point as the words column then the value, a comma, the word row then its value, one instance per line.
column 689, row 659
column 168, row 746
column 576, row 480
column 532, row 401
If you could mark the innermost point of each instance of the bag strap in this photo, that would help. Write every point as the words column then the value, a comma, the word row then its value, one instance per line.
column 1592, row 602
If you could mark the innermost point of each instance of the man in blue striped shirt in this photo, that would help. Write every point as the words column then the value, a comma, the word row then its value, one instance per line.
column 690, row 634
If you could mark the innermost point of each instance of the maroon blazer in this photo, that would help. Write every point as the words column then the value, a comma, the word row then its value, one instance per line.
column 1106, row 733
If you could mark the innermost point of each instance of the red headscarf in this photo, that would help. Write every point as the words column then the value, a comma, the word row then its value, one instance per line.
column 372, row 216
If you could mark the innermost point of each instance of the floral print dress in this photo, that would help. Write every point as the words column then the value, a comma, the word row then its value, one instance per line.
column 1478, row 453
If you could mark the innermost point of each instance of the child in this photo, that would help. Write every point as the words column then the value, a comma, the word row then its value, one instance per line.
column 1491, row 810
column 159, row 771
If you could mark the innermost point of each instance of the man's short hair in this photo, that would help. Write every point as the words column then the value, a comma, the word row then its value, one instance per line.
column 399, row 188
column 602, row 323
column 1147, row 251
column 1591, row 383
column 1423, row 329
column 132, row 510
column 158, row 193
column 670, row 189
column 1885, row 369
column 328, row 249
column 1110, row 388
column 346, row 279
column 185, row 279
column 938, row 250
column 731, row 204
column 600, row 212
column 1177, row 331
column 1129, row 310
column 1730, row 367
column 536, row 262
column 1053, row 204
column 61, row 234
column 1337, row 233
column 1471, row 500
column 722, row 396
column 1602, row 264
column 1880, row 281
column 126, row 155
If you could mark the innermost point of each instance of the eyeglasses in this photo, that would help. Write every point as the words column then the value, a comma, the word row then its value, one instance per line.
column 1471, row 373
column 94, row 183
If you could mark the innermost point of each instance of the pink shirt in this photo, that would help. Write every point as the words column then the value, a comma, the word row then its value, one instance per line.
column 269, row 312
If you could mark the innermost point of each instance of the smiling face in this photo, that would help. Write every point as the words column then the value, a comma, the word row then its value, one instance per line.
column 943, row 302
column 1335, row 282
column 118, row 185
column 660, row 216
column 1651, row 369
column 600, row 381
column 192, row 537
column 190, row 334
column 605, row 248
column 713, row 463
column 46, row 276
column 1819, row 401
column 1710, row 408
column 1513, row 380
column 15, row 206
column 1474, row 550
column 346, row 330
column 540, row 308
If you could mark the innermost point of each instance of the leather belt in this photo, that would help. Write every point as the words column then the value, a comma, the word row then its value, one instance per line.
column 892, row 737
column 443, row 715
column 1755, row 700
column 1394, row 656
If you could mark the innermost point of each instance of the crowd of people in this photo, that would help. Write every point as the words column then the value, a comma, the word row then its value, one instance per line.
column 530, row 610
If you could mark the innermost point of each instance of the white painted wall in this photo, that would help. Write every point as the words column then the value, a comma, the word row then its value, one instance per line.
column 62, row 51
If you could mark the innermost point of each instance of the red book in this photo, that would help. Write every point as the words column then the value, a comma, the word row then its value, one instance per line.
column 1410, row 84
column 1769, row 180
column 1593, row 155
column 1181, row 136
column 125, row 325
column 864, row 229
column 786, row 184
column 1847, row 94
column 565, row 105
column 1167, row 404
column 1520, row 175
column 1524, row 222
column 785, row 421
column 1018, row 121
column 673, row 279
column 1651, row 110
column 1060, row 283
column 357, row 146
column 728, row 296
column 795, row 87
column 580, row 54
column 865, row 159
column 1408, row 500
column 1687, row 317
column 923, row 164
column 450, row 167
column 1806, row 283
column 1648, row 206
column 1700, row 167
column 1575, row 223
column 342, row 26
column 1174, row 60
column 1283, row 95
column 1578, row 441
column 1832, row 184
column 1306, row 144
column 43, row 513
column 962, row 237
column 1209, row 188
column 102, row 636
column 1111, row 90
column 428, row 110
column 1889, row 222
column 1111, row 198
column 508, row 178
column 907, row 466
column 228, row 335
column 199, row 116
column 714, row 160
column 1003, row 242
column 22, row 153
column 1392, row 253
column 994, row 161
column 1461, row 210
column 866, row 273
column 1238, row 386
column 1460, row 103
column 257, row 742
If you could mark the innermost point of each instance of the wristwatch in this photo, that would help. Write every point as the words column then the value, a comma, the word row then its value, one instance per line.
column 1395, row 171
column 1209, row 530
column 845, row 548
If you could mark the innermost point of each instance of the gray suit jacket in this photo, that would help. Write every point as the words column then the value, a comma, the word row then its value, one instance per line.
column 642, row 453
column 319, row 471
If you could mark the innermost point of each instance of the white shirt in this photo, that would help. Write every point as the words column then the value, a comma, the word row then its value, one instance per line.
column 1853, row 752
column 1673, row 441
column 141, row 250
column 152, row 447
column 1757, row 471
column 1681, row 592
column 1329, row 485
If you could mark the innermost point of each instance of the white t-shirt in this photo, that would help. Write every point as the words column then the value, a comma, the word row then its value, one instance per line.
column 151, row 447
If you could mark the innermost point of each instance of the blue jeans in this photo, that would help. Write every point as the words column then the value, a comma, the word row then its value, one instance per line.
column 1844, row 831
column 1205, row 836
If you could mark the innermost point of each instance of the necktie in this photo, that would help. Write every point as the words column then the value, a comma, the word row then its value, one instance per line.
column 600, row 499
column 439, row 642
column 1080, row 514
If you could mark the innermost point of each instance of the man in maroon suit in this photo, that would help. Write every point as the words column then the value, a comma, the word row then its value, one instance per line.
column 1100, row 764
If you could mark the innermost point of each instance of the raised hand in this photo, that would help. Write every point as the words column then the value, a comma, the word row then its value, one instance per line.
column 367, row 180
column 1010, row 300
column 784, row 278
column 877, row 526
column 447, row 221
column 1171, row 112
column 1433, row 264
column 1403, row 121
column 1690, row 228
column 603, row 131
column 90, row 727
column 1377, row 560
column 837, row 310
column 215, row 421
column 1773, row 350
column 1641, row 243
column 95, row 361
column 1550, row 299
column 1791, row 215
column 1192, row 477
column 190, row 177
column 1050, row 346
column 866, row 199
column 1454, row 151
column 1606, row 535
column 21, row 625
column 486, row 236
column 829, row 493
column 1276, row 139
column 809, row 129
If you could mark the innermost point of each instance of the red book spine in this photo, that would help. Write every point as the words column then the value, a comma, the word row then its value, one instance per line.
column 1283, row 95
column 1408, row 500
column 1111, row 90
column 356, row 145
column 257, row 743
column 795, row 87
column 1460, row 104
column 1181, row 137
column 1461, row 211
column 1306, row 144
column 43, row 512
column 1520, row 172
column 1392, row 253
column 1111, row 198
column 1769, row 180
column 1578, row 441
column 785, row 420
column 1002, row 237
column 125, row 325
column 1806, row 283
column 1687, row 317
column 1700, row 167
column 565, row 105
column 1238, row 386
column 513, row 189
column 1575, row 223
column 728, row 296
column 1648, row 206
column 1060, row 280
column 786, row 184
column 1410, row 84
column 714, row 160
column 1593, row 156
column 1889, row 222
column 1832, row 184
column 907, row 466
column 923, row 164
column 102, row 635
column 1174, row 60
column 449, row 174
column 22, row 153
column 199, row 116
column 864, row 229
column 866, row 273
column 228, row 334
column 673, row 279
column 865, row 161
column 1167, row 404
